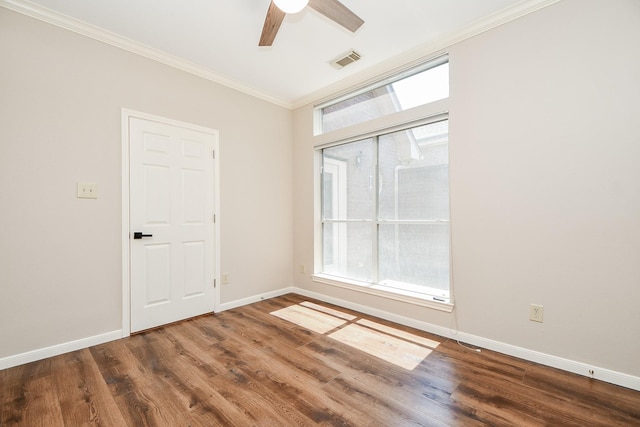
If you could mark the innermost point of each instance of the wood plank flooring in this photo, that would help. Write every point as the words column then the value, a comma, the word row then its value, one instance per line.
column 246, row 367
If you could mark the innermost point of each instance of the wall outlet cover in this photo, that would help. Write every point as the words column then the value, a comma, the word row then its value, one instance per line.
column 87, row 190
column 536, row 313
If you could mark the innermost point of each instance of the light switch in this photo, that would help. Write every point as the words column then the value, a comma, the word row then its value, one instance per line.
column 87, row 190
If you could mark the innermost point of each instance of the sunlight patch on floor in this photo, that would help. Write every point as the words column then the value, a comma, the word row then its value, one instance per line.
column 394, row 350
column 398, row 333
column 393, row 345
column 328, row 310
column 309, row 318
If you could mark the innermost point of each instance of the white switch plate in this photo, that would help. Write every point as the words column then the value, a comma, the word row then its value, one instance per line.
column 87, row 190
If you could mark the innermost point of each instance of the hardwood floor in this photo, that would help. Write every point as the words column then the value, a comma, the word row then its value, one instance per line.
column 246, row 367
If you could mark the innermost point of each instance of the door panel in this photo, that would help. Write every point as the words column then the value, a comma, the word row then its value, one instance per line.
column 193, row 197
column 194, row 274
column 157, row 277
column 157, row 194
column 172, row 200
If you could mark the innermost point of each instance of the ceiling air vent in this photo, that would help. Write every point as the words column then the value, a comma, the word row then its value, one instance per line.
column 346, row 59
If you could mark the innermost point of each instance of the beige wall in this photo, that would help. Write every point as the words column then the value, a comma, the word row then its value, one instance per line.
column 61, row 96
column 545, row 186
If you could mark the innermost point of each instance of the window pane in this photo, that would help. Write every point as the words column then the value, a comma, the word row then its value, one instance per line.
column 414, row 254
column 347, row 250
column 348, row 183
column 385, row 211
column 414, row 174
column 422, row 88
column 411, row 91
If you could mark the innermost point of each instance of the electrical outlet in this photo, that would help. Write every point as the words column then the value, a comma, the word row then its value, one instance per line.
column 87, row 190
column 302, row 269
column 536, row 312
column 225, row 278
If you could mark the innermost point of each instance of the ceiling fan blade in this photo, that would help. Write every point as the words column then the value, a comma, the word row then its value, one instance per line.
column 271, row 25
column 337, row 12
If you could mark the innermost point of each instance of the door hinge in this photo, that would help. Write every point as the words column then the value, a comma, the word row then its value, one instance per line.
column 214, row 283
column 214, row 154
column 214, row 218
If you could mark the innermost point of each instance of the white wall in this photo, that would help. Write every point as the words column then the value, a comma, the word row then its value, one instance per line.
column 61, row 96
column 545, row 186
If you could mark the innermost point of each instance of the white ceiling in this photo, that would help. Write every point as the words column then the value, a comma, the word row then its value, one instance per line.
column 218, row 39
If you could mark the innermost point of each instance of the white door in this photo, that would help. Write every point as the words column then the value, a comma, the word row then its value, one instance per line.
column 172, row 211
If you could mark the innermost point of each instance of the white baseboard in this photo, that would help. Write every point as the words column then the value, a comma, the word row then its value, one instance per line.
column 55, row 350
column 607, row 375
column 586, row 370
column 255, row 298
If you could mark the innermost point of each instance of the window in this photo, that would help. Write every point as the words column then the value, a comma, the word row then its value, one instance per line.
column 385, row 211
column 383, row 194
column 417, row 86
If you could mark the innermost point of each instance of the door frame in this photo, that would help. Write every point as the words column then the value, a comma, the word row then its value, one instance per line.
column 126, row 226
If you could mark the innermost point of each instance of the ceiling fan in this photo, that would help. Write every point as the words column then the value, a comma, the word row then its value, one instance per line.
column 332, row 9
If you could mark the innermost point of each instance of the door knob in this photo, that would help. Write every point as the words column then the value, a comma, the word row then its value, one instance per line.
column 139, row 235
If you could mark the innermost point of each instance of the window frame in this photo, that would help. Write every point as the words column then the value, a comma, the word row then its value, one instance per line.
column 444, row 303
column 372, row 85
column 416, row 116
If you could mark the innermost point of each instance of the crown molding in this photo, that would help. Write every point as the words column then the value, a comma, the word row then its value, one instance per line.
column 423, row 53
column 54, row 18
column 371, row 74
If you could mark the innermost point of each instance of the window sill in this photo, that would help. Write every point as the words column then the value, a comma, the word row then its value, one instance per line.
column 386, row 292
